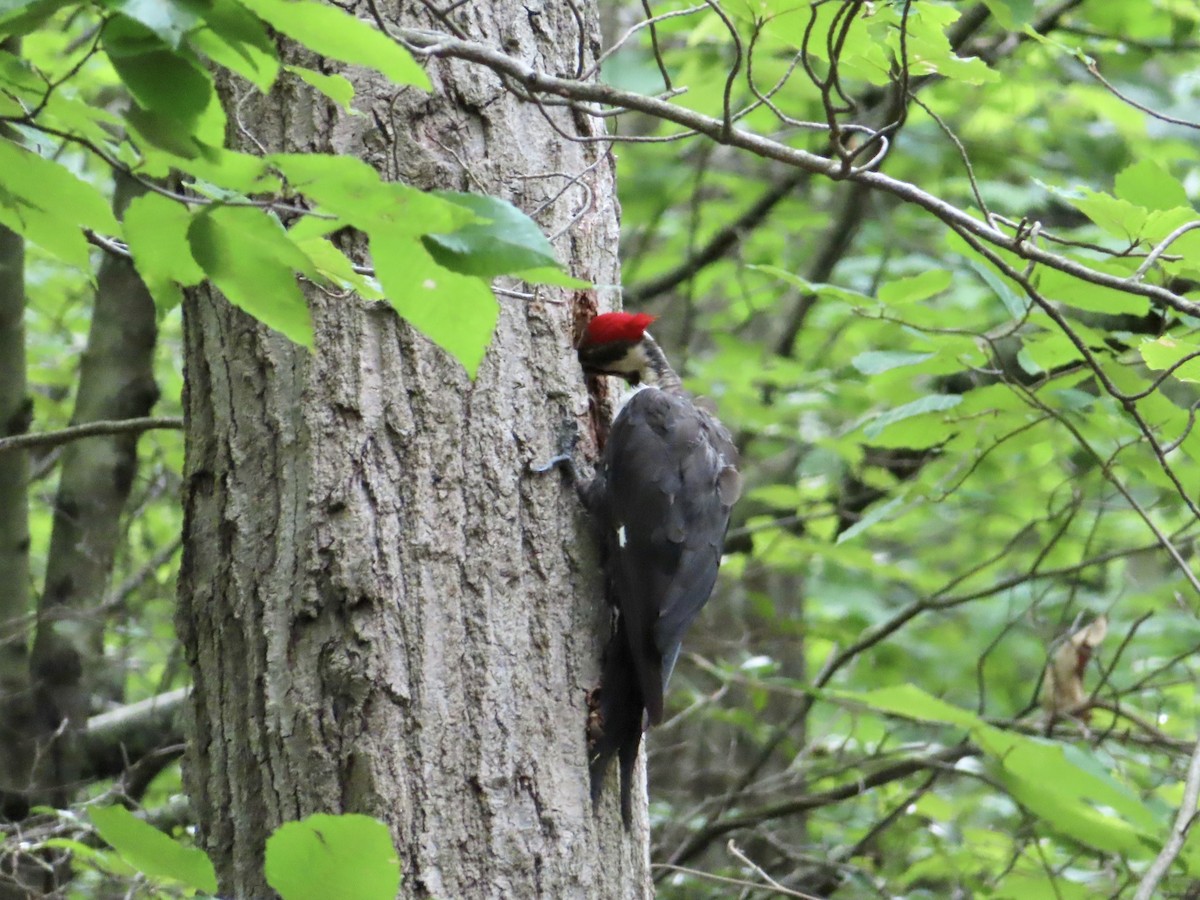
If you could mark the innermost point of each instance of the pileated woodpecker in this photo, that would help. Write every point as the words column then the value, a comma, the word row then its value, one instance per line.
column 660, row 500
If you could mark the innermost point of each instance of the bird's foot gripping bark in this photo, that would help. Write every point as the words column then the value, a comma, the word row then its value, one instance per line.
column 562, row 461
column 568, row 439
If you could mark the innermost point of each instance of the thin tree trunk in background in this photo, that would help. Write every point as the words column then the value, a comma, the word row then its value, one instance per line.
column 16, row 410
column 16, row 709
column 384, row 612
column 18, row 714
column 116, row 381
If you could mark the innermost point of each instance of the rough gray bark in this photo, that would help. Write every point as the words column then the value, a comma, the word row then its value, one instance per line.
column 116, row 381
column 384, row 612
column 16, row 706
column 16, row 709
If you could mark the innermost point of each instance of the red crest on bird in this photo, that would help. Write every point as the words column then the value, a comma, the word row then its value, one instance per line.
column 616, row 326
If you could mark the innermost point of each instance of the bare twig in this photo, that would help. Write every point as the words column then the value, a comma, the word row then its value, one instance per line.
column 720, row 243
column 88, row 429
column 1162, row 245
column 644, row 23
column 709, row 876
column 701, row 838
column 117, row 597
column 761, row 873
column 1125, row 98
column 962, row 154
column 734, row 70
column 1179, row 831
column 658, row 57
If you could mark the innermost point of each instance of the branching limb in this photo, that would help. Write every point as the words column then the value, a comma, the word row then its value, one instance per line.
column 588, row 97
column 699, row 840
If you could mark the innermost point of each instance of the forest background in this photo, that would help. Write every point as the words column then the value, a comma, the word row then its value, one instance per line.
column 932, row 262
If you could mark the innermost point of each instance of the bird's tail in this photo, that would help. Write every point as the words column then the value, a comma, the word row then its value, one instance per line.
column 615, row 726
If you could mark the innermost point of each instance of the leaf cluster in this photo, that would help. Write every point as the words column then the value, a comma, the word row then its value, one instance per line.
column 254, row 225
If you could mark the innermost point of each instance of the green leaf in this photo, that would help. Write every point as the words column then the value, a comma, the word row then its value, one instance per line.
column 1011, row 14
column 456, row 312
column 1147, row 184
column 501, row 241
column 929, row 50
column 911, row 702
column 251, row 259
column 86, row 120
column 875, row 362
column 47, row 231
column 18, row 17
column 151, row 852
column 1061, row 786
column 156, row 230
column 335, row 33
column 1046, row 351
column 1031, row 886
column 56, row 189
column 152, row 130
column 237, row 40
column 876, row 514
column 237, row 173
column 331, row 263
column 45, row 203
column 1116, row 216
column 353, row 191
column 163, row 82
column 1016, row 304
column 917, row 287
column 170, row 21
column 336, row 87
column 80, row 851
column 864, row 51
column 1063, row 288
column 324, row 857
column 930, row 404
column 1073, row 801
column 1165, row 352
column 19, row 74
column 854, row 298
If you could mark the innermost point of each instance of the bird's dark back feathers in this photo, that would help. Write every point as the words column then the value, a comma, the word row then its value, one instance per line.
column 671, row 480
column 661, row 499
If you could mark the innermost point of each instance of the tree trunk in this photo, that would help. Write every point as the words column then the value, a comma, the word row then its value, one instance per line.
column 16, row 707
column 384, row 611
column 16, row 698
column 116, row 381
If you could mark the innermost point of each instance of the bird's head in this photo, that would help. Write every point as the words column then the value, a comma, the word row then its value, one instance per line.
column 616, row 343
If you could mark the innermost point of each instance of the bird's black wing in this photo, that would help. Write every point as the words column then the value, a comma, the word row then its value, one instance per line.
column 669, row 469
column 710, row 485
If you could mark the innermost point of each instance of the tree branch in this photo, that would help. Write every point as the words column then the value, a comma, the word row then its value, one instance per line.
column 89, row 429
column 833, row 247
column 582, row 95
column 1183, row 823
column 702, row 838
column 720, row 243
column 125, row 735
